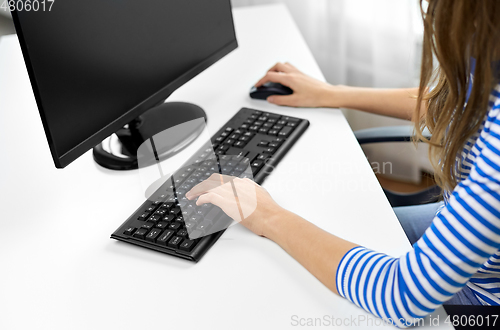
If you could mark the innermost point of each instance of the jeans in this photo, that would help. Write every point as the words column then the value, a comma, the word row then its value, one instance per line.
column 415, row 220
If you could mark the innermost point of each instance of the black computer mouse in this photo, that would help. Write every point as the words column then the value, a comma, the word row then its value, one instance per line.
column 268, row 89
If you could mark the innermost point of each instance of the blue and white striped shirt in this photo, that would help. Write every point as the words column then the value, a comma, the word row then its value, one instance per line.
column 461, row 247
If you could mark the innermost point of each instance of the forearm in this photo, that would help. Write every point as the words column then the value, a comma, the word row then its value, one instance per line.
column 397, row 103
column 315, row 249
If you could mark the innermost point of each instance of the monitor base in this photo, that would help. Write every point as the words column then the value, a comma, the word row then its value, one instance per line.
column 152, row 122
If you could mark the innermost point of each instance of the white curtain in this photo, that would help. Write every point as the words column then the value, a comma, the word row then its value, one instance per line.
column 365, row 43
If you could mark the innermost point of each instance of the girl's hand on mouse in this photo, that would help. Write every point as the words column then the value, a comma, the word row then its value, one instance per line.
column 307, row 91
column 241, row 199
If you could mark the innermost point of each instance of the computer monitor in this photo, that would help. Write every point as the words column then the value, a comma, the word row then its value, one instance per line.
column 99, row 67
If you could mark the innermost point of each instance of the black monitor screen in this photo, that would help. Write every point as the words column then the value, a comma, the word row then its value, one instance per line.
column 97, row 64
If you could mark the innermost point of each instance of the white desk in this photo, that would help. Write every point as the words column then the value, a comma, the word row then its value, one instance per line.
column 60, row 270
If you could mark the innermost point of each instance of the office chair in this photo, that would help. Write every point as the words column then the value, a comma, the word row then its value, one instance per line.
column 399, row 134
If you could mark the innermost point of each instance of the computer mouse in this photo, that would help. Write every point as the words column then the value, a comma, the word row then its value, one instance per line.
column 268, row 89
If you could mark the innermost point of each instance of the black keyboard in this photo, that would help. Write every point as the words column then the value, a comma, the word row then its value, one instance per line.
column 250, row 145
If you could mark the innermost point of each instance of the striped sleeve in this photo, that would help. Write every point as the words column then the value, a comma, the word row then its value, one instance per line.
column 457, row 245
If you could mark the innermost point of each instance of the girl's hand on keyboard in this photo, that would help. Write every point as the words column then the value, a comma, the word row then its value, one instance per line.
column 241, row 199
column 307, row 91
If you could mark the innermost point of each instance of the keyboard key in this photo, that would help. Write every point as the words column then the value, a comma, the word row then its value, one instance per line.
column 182, row 233
column 175, row 241
column 163, row 238
column 190, row 169
column 226, row 170
column 274, row 144
column 263, row 144
column 206, row 207
column 186, row 213
column 292, row 124
column 291, row 119
column 212, row 215
column 160, row 212
column 272, row 115
column 148, row 225
column 154, row 218
column 143, row 216
column 151, row 237
column 178, row 180
column 269, row 150
column 241, row 168
column 175, row 211
column 246, row 160
column 286, row 131
column 162, row 225
column 129, row 231
column 256, row 165
column 175, row 225
column 167, row 205
column 187, row 245
column 168, row 218
column 223, row 147
column 263, row 130
column 272, row 132
column 239, row 144
column 236, row 152
column 140, row 233
column 195, row 218
column 237, row 158
column 203, row 226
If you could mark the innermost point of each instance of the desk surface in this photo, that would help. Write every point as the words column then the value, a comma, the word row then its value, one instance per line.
column 60, row 270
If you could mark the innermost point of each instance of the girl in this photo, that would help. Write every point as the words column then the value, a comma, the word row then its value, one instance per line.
column 456, row 249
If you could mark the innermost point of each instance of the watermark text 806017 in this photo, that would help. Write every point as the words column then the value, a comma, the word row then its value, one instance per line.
column 26, row 5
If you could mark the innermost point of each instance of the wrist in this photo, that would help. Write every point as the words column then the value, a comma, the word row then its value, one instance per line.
column 271, row 228
column 333, row 96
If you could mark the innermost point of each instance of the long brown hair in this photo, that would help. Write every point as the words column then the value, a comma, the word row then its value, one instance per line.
column 455, row 31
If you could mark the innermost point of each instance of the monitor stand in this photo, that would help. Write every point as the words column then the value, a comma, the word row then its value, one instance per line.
column 152, row 122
